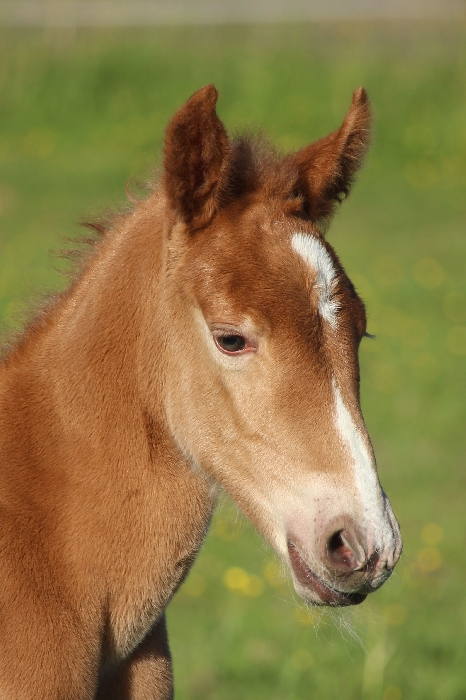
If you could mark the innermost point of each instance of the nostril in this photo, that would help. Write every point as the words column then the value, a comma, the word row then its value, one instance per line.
column 342, row 554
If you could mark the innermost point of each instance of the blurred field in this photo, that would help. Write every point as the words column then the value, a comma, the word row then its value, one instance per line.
column 83, row 113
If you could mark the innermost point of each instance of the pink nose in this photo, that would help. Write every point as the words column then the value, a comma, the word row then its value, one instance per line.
column 344, row 552
column 348, row 557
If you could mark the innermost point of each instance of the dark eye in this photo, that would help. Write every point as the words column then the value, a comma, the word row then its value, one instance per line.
column 231, row 343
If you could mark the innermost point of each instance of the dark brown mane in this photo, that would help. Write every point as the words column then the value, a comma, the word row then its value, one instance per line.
column 253, row 162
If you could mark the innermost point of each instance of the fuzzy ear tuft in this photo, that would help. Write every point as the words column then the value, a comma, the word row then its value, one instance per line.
column 196, row 157
column 327, row 167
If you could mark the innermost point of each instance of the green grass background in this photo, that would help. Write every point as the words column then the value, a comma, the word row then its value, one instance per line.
column 83, row 113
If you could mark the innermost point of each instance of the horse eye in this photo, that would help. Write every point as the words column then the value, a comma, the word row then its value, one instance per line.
column 231, row 343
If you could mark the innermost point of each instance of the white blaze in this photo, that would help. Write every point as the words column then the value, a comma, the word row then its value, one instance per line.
column 315, row 255
column 365, row 474
column 372, row 503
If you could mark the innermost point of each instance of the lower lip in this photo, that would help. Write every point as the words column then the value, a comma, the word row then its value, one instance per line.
column 327, row 595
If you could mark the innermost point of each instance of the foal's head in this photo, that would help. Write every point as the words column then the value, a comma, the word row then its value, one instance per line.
column 262, row 387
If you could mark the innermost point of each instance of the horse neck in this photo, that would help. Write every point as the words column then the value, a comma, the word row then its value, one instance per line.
column 76, row 436
column 83, row 357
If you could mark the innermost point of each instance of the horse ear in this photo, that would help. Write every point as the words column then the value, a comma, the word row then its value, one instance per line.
column 327, row 167
column 196, row 154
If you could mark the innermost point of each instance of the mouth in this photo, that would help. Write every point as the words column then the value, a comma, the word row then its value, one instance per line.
column 325, row 593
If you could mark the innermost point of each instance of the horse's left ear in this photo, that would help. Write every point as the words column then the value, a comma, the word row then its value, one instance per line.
column 327, row 167
column 196, row 155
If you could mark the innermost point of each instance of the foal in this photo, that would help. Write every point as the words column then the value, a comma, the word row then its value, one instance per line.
column 210, row 341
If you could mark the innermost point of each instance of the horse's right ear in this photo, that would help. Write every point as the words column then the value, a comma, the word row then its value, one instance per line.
column 196, row 155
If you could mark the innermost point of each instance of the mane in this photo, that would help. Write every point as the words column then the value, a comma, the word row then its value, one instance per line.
column 256, row 165
column 79, row 252
column 253, row 161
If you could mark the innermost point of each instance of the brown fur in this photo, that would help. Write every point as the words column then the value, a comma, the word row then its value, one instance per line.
column 116, row 423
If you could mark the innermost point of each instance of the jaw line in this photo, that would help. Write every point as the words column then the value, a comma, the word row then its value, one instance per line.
column 308, row 580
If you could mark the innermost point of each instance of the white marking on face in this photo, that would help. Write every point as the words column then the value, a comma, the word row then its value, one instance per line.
column 366, row 478
column 315, row 255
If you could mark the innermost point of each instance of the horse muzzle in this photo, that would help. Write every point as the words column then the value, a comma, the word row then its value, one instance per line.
column 348, row 566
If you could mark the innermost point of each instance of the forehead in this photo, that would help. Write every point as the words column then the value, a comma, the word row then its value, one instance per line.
column 264, row 262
